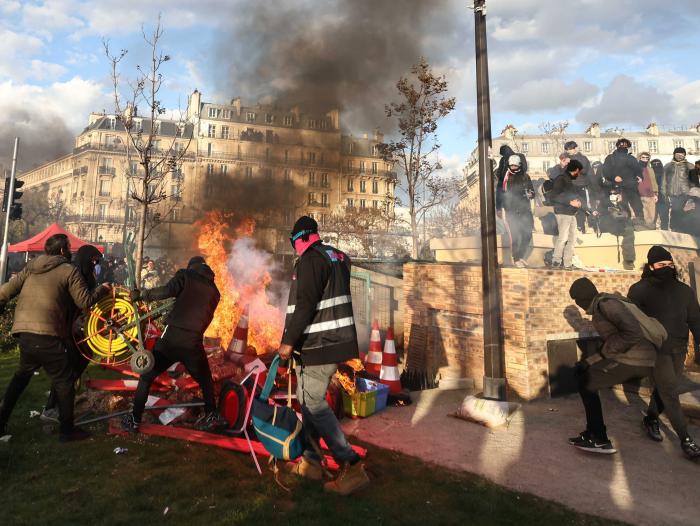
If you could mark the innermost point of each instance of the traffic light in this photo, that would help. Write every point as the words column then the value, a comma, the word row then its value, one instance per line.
column 15, row 206
column 16, row 211
column 4, row 194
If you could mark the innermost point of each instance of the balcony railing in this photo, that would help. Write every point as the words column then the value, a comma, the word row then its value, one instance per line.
column 106, row 170
column 247, row 157
column 120, row 148
column 366, row 173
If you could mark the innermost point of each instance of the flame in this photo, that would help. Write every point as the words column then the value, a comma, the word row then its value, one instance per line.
column 266, row 322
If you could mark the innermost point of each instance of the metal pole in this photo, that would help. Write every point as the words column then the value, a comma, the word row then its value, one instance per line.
column 10, row 195
column 494, row 380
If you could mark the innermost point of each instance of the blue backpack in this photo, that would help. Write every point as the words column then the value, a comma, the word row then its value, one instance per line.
column 277, row 427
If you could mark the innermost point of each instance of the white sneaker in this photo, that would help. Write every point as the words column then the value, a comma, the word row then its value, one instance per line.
column 520, row 264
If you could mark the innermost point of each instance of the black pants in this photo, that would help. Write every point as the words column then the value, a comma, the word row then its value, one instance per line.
column 178, row 345
column 667, row 374
column 520, row 225
column 605, row 373
column 621, row 228
column 670, row 210
column 78, row 363
column 49, row 352
column 632, row 199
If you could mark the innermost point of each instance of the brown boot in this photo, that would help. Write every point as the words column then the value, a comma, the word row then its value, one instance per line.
column 352, row 478
column 310, row 469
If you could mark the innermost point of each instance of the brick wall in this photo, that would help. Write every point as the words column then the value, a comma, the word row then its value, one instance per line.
column 443, row 323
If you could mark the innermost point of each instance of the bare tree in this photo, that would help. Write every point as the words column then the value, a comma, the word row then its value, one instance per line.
column 359, row 229
column 556, row 132
column 157, row 153
column 422, row 103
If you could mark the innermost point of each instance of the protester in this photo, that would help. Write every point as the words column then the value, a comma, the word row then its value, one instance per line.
column 86, row 258
column 567, row 202
column 48, row 289
column 689, row 221
column 513, row 198
column 320, row 331
column 559, row 169
column 661, row 295
column 624, row 173
column 613, row 219
column 196, row 299
column 674, row 188
column 694, row 175
column 648, row 190
column 582, row 181
column 149, row 275
column 630, row 342
column 506, row 153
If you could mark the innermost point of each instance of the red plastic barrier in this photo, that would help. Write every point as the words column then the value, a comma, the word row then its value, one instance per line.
column 120, row 385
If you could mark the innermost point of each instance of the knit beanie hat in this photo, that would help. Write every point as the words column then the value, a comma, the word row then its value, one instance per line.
column 583, row 291
column 680, row 149
column 196, row 260
column 305, row 224
column 657, row 253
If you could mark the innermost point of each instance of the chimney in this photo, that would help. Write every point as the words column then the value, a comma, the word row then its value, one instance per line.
column 594, row 129
column 378, row 135
column 653, row 129
column 509, row 132
column 236, row 103
column 194, row 103
column 334, row 116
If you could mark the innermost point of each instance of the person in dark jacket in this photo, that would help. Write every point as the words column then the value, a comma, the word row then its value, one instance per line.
column 674, row 187
column 658, row 167
column 320, row 331
column 662, row 296
column 196, row 298
column 630, row 341
column 622, row 170
column 506, row 153
column 48, row 289
column 648, row 190
column 85, row 260
column 689, row 220
column 694, row 175
column 567, row 201
column 513, row 197
column 582, row 181
column 560, row 168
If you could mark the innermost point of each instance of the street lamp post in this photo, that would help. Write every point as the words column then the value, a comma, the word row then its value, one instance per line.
column 494, row 378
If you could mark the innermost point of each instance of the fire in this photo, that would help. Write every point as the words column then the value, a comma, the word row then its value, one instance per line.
column 266, row 321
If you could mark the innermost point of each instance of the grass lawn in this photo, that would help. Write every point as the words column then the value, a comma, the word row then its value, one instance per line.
column 85, row 483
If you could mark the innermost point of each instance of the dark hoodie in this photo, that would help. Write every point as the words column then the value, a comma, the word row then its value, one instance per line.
column 621, row 164
column 83, row 259
column 673, row 303
column 49, row 288
column 196, row 298
column 506, row 151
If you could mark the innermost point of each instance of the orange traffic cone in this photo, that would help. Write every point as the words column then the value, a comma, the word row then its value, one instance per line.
column 373, row 361
column 239, row 342
column 390, row 365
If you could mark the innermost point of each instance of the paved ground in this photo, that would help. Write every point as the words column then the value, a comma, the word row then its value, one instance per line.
column 644, row 483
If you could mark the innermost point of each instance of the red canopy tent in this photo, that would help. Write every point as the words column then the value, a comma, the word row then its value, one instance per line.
column 36, row 243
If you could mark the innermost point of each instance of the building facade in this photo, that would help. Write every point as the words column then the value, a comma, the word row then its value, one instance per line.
column 542, row 150
column 325, row 169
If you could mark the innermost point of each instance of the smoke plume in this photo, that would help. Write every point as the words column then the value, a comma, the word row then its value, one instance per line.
column 345, row 54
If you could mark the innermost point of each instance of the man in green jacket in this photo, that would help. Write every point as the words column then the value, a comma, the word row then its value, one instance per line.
column 47, row 289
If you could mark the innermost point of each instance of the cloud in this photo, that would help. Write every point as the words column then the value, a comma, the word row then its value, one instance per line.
column 53, row 15
column 547, row 95
column 17, row 48
column 628, row 101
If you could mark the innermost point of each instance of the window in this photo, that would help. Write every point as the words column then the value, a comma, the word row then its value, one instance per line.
column 324, row 199
column 224, row 169
column 313, row 123
column 362, row 167
column 287, row 174
column 210, row 169
column 634, row 147
column 312, row 179
column 324, row 179
column 250, row 116
column 546, row 165
column 611, row 146
column 350, row 147
column 224, row 132
column 374, row 167
column 375, row 150
column 227, row 114
column 288, row 120
column 678, row 143
column 349, row 164
column 545, row 147
column 249, row 172
column 211, row 132
column 697, row 145
column 311, row 157
column 133, row 167
column 209, row 149
column 105, row 187
column 175, row 214
column 312, row 198
column 286, row 156
column 653, row 147
column 375, row 204
column 287, row 216
column 267, row 154
column 363, row 203
column 375, row 187
column 212, row 113
column 525, row 147
column 323, row 219
column 156, row 128
column 363, row 186
column 175, row 191
column 351, row 202
column 102, row 211
column 112, row 123
column 587, row 146
column 350, row 185
column 269, row 118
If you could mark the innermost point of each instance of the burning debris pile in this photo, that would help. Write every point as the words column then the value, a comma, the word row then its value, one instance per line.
column 243, row 277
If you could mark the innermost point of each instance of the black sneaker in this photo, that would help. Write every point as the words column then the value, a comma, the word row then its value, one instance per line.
column 130, row 425
column 210, row 422
column 556, row 264
column 690, row 448
column 74, row 435
column 591, row 445
column 583, row 436
column 651, row 426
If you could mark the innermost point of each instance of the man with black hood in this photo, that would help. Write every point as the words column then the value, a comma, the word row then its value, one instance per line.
column 568, row 201
column 630, row 342
column 582, row 181
column 661, row 295
column 513, row 196
column 674, row 188
column 196, row 298
column 622, row 171
column 506, row 153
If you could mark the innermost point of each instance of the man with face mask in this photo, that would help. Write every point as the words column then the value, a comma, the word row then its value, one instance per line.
column 623, row 173
column 662, row 296
column 48, row 290
column 648, row 190
column 513, row 196
column 568, row 201
column 319, row 331
column 674, row 188
column 630, row 343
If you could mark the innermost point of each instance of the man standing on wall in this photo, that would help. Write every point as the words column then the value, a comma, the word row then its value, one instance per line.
column 513, row 197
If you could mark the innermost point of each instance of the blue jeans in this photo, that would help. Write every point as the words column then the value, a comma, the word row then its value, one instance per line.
column 318, row 419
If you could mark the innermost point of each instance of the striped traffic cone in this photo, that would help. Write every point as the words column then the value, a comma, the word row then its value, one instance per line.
column 389, row 374
column 239, row 342
column 373, row 361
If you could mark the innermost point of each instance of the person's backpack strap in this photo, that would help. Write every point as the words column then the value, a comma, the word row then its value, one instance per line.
column 270, row 380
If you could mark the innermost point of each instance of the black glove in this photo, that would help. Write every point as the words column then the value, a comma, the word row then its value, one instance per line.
column 135, row 295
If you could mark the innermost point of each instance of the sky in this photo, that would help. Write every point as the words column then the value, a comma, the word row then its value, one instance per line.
column 623, row 63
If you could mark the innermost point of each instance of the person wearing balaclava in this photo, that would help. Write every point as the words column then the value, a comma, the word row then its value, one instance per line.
column 196, row 298
column 630, row 342
column 661, row 295
column 623, row 173
column 513, row 196
column 568, row 201
column 319, row 333
column 674, row 188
